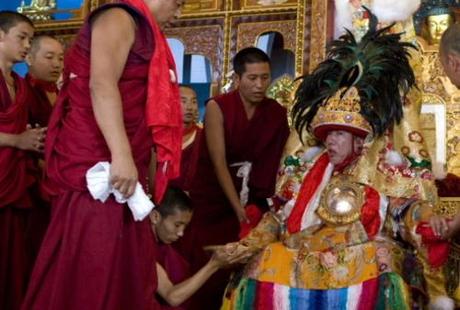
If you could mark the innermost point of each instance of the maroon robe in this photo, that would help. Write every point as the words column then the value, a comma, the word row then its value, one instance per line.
column 188, row 162
column 94, row 255
column 176, row 267
column 260, row 141
column 15, row 200
column 40, row 108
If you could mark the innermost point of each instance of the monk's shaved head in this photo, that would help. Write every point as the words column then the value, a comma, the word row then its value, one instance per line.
column 9, row 19
column 45, row 58
column 37, row 41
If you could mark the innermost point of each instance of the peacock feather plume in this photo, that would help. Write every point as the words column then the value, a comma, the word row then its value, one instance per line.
column 377, row 66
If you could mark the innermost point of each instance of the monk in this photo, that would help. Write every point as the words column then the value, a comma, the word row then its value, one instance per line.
column 94, row 254
column 45, row 61
column 16, row 140
column 245, row 134
column 190, row 139
column 169, row 221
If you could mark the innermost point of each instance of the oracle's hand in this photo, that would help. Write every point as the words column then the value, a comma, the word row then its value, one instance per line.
column 238, row 252
column 32, row 139
column 123, row 175
column 440, row 226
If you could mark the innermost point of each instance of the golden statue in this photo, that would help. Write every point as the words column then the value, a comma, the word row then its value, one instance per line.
column 434, row 17
column 37, row 10
column 436, row 25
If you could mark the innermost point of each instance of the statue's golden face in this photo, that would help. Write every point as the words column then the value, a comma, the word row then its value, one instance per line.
column 436, row 25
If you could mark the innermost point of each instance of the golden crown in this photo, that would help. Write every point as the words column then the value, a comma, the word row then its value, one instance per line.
column 342, row 111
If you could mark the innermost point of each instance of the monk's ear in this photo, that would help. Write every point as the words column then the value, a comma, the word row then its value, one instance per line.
column 155, row 217
column 236, row 80
column 2, row 34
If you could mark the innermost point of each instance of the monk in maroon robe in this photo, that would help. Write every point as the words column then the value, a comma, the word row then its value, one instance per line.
column 169, row 221
column 45, row 63
column 244, row 136
column 94, row 255
column 16, row 140
column 190, row 138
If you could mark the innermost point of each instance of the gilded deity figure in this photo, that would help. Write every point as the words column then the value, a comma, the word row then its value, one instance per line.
column 436, row 24
column 37, row 9
column 433, row 18
column 40, row 5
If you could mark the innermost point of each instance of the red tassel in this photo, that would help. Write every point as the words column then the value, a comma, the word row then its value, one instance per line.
column 254, row 215
column 370, row 216
column 437, row 248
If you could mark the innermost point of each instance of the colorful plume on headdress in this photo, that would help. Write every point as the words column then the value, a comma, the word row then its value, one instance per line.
column 377, row 66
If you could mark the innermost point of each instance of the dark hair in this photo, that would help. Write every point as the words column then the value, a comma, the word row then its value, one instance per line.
column 187, row 86
column 248, row 55
column 174, row 200
column 9, row 19
column 450, row 41
column 35, row 45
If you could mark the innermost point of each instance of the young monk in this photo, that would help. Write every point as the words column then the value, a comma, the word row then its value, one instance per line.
column 16, row 139
column 169, row 221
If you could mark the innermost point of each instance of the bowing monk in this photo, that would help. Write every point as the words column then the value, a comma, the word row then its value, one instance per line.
column 118, row 100
column 245, row 133
column 16, row 140
column 190, row 139
column 169, row 221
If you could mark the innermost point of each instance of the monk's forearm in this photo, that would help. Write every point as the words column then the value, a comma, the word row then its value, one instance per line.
column 108, row 112
column 8, row 140
column 226, row 183
column 215, row 139
column 182, row 291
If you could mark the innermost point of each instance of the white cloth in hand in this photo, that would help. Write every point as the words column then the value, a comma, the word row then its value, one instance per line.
column 98, row 183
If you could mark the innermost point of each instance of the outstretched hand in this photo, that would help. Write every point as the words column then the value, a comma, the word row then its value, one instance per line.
column 231, row 253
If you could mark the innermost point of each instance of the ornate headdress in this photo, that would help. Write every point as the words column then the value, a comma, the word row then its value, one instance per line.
column 360, row 87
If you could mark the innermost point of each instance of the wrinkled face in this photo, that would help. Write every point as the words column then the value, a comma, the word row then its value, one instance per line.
column 15, row 44
column 169, row 229
column 47, row 61
column 165, row 11
column 339, row 145
column 253, row 83
column 451, row 65
column 189, row 105
column 437, row 24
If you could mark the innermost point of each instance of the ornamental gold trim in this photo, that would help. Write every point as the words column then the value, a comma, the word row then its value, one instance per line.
column 448, row 206
column 319, row 14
